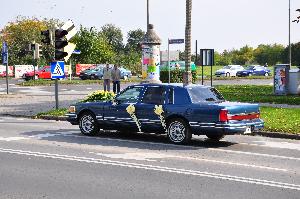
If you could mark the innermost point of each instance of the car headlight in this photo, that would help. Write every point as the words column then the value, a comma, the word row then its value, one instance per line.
column 72, row 109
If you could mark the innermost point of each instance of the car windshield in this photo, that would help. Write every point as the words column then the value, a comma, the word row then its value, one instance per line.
column 226, row 67
column 202, row 94
column 250, row 68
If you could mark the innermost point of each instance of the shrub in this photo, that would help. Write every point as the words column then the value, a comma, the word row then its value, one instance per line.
column 99, row 96
column 176, row 76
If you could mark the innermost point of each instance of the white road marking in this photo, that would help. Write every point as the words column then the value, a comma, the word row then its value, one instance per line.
column 156, row 168
column 254, row 154
column 89, row 88
column 8, row 139
column 63, row 89
column 150, row 157
column 281, row 145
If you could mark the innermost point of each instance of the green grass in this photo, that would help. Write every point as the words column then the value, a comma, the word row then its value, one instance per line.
column 286, row 120
column 252, row 93
column 54, row 112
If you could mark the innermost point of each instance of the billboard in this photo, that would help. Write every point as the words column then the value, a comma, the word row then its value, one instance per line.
column 21, row 69
column 82, row 67
column 3, row 71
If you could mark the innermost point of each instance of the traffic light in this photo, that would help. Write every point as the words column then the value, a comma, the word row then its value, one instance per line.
column 60, row 43
column 47, row 37
column 37, row 51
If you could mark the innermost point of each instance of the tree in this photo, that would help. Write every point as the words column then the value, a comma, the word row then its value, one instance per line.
column 93, row 46
column 243, row 56
column 114, row 36
column 188, row 35
column 134, row 39
column 295, row 54
column 22, row 32
column 271, row 54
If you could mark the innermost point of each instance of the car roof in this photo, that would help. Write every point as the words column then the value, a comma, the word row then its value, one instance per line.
column 172, row 85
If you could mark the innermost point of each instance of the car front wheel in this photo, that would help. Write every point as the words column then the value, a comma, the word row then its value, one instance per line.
column 88, row 124
column 178, row 131
column 227, row 74
column 266, row 74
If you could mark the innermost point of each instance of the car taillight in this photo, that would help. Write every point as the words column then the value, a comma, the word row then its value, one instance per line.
column 223, row 117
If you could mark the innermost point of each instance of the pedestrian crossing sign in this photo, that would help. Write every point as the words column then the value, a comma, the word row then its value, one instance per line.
column 57, row 70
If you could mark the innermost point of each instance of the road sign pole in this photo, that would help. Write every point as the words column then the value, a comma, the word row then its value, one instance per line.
column 7, row 74
column 169, row 70
column 56, row 94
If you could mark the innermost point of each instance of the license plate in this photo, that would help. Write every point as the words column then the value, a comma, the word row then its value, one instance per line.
column 248, row 130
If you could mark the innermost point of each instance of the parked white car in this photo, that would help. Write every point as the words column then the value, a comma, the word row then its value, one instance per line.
column 229, row 71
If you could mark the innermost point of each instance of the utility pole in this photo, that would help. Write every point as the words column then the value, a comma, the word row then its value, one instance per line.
column 147, row 14
column 290, row 48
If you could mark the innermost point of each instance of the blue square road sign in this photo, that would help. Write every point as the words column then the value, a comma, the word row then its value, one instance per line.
column 57, row 70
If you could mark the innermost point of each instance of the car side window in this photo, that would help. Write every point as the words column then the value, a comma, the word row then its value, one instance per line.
column 154, row 95
column 130, row 95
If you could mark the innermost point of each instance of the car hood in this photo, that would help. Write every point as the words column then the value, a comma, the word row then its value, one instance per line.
column 222, row 70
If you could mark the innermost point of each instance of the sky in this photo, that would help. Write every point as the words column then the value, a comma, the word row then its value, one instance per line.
column 216, row 24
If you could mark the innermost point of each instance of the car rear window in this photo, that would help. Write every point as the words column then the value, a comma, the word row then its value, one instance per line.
column 203, row 94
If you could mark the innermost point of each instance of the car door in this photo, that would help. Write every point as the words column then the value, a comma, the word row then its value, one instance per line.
column 153, row 95
column 115, row 113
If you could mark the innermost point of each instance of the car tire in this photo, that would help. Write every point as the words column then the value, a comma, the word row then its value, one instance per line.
column 88, row 124
column 125, row 77
column 227, row 75
column 215, row 137
column 266, row 74
column 36, row 77
column 178, row 131
column 250, row 75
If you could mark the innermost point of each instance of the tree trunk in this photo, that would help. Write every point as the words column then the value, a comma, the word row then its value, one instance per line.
column 187, row 75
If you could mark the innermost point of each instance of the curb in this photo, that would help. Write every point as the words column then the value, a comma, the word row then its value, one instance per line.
column 277, row 135
column 50, row 117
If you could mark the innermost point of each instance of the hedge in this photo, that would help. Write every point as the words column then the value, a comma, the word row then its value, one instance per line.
column 176, row 76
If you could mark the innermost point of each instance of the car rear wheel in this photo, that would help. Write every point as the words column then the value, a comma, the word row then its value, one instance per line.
column 178, row 131
column 216, row 137
column 125, row 77
column 88, row 124
column 266, row 74
column 227, row 74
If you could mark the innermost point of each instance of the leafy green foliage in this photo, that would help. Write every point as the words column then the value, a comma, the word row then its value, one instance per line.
column 114, row 37
column 54, row 112
column 99, row 96
column 176, row 76
column 271, row 54
column 93, row 46
column 22, row 32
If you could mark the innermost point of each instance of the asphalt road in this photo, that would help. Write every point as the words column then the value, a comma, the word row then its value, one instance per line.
column 48, row 159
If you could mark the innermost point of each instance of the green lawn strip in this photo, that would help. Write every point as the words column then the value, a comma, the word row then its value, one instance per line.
column 258, row 94
column 285, row 120
column 54, row 112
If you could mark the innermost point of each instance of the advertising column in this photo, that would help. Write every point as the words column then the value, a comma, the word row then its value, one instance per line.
column 151, row 56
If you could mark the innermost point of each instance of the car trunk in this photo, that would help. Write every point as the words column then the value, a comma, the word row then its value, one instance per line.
column 239, row 111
